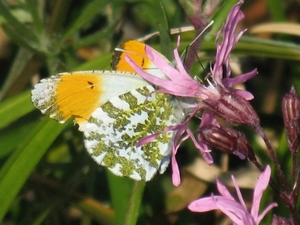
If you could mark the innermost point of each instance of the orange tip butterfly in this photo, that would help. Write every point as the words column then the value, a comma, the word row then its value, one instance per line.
column 115, row 109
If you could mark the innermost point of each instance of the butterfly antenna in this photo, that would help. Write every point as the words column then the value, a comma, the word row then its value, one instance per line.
column 117, row 49
column 199, row 35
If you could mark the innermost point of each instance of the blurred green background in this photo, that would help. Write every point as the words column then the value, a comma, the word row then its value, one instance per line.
column 47, row 177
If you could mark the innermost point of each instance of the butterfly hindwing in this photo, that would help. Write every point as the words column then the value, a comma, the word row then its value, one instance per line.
column 114, row 129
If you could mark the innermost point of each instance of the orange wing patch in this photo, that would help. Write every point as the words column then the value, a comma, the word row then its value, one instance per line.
column 136, row 51
column 78, row 95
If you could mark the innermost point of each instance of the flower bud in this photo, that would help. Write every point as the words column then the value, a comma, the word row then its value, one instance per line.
column 225, row 139
column 233, row 108
column 277, row 220
column 291, row 118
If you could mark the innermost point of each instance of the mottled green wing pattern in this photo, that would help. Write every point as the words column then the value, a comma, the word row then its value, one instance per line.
column 116, row 127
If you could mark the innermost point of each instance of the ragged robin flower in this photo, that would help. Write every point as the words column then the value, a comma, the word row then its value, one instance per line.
column 236, row 210
column 217, row 99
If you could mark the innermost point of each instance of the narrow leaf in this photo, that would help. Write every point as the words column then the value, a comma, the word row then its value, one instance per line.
column 22, row 162
column 86, row 15
column 14, row 108
column 23, row 31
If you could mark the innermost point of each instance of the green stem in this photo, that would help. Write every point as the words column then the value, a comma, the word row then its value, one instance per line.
column 134, row 203
column 58, row 16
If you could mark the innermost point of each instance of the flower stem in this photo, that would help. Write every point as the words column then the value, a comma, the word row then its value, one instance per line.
column 274, row 158
column 289, row 197
column 134, row 203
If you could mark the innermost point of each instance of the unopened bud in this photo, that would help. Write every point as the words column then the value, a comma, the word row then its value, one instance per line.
column 225, row 139
column 233, row 108
column 277, row 220
column 291, row 118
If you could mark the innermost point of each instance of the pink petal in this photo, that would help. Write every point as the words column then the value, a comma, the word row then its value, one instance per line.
column 179, row 64
column 147, row 76
column 266, row 210
column 230, row 82
column 261, row 185
column 203, row 205
column 176, row 180
column 223, row 190
column 245, row 94
column 234, row 211
column 162, row 64
column 239, row 194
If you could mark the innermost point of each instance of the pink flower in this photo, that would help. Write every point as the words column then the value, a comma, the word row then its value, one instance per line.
column 217, row 99
column 223, row 50
column 236, row 210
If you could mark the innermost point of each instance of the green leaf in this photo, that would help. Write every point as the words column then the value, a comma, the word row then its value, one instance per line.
column 164, row 31
column 17, row 38
column 95, row 37
column 17, row 131
column 134, row 203
column 40, row 219
column 268, row 48
column 99, row 63
column 275, row 7
column 33, row 6
column 86, row 15
column 258, row 47
column 22, row 69
column 21, row 163
column 14, row 108
column 120, row 189
column 23, row 32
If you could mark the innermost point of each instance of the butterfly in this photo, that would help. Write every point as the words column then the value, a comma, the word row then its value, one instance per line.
column 115, row 109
